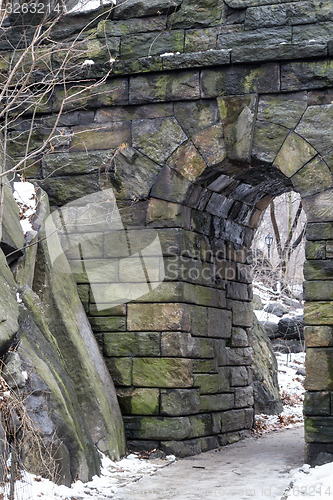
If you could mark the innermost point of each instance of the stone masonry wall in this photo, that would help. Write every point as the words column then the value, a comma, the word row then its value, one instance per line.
column 213, row 109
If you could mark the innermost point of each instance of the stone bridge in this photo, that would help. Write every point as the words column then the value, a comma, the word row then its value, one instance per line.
column 212, row 109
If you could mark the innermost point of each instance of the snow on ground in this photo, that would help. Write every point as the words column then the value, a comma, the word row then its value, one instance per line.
column 291, row 392
column 265, row 317
column 25, row 196
column 114, row 475
column 308, row 483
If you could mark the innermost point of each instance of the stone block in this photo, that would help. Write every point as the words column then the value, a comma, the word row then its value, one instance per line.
column 317, row 404
column 176, row 402
column 211, row 145
column 268, row 139
column 278, row 52
column 313, row 178
column 203, row 13
column 294, row 153
column 179, row 344
column 319, row 375
column 306, row 75
column 157, row 138
column 158, row 317
column 83, row 291
column 157, row 428
column 237, row 420
column 318, row 290
column 138, row 401
column 219, row 323
column 108, row 323
column 182, row 449
column 237, row 115
column 216, row 402
column 201, row 39
column 240, row 80
column 101, row 137
column 171, row 186
column 315, row 250
column 282, row 109
column 242, row 314
column 238, row 291
column 115, row 91
column 239, row 337
column 319, row 231
column 258, row 39
column 131, row 344
column 59, row 164
column 318, row 313
column 209, row 443
column 318, row 336
column 318, row 429
column 244, row 397
column 239, row 376
column 318, row 207
column 120, row 370
column 205, row 366
column 162, row 372
column 164, row 87
column 239, row 356
column 201, row 425
column 207, row 383
column 151, row 44
column 195, row 116
column 187, row 161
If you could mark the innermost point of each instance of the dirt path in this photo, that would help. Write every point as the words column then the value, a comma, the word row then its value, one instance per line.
column 252, row 469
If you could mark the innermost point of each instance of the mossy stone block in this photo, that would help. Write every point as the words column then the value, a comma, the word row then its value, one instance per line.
column 294, row 154
column 139, row 401
column 162, row 372
column 159, row 428
column 315, row 250
column 151, row 44
column 318, row 313
column 313, row 178
column 318, row 336
column 216, row 402
column 319, row 231
column 132, row 344
column 108, row 323
column 201, row 425
column 318, row 429
column 318, row 290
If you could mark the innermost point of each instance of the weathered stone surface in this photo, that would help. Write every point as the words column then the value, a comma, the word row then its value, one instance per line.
column 160, row 428
column 139, row 401
column 237, row 116
column 284, row 51
column 318, row 313
column 216, row 402
column 187, row 161
column 318, row 336
column 319, row 231
column 237, row 420
column 239, row 80
column 267, row 141
column 159, row 317
column 131, row 344
column 318, row 207
column 196, row 115
column 316, row 125
column 157, row 138
column 306, row 75
column 151, row 44
column 181, row 449
column 8, row 305
column 196, row 59
column 244, row 397
column 282, row 109
column 318, row 290
column 201, row 39
column 294, row 153
column 242, row 314
column 239, row 337
column 315, row 250
column 166, row 87
column 219, row 323
column 176, row 402
column 162, row 372
column 318, row 429
column 202, row 13
column 239, row 356
column 319, row 375
column 179, row 344
column 140, row 8
column 101, row 137
column 313, row 178
column 317, row 403
column 265, row 381
column 171, row 186
column 257, row 39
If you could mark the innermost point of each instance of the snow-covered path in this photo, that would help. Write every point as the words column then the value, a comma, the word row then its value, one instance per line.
column 256, row 468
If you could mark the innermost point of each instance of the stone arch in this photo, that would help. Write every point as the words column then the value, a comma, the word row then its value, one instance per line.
column 201, row 168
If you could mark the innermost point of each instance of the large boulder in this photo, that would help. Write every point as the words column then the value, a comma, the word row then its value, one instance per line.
column 8, row 306
column 70, row 395
column 265, row 373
